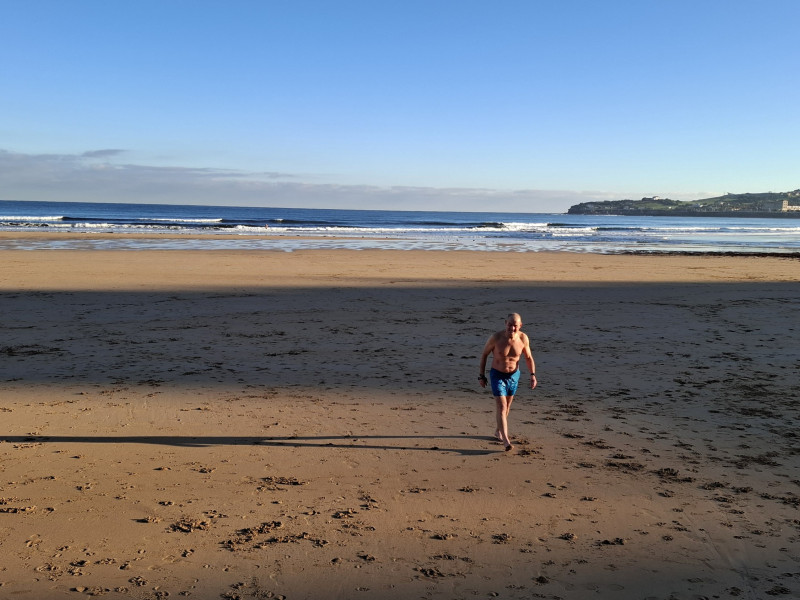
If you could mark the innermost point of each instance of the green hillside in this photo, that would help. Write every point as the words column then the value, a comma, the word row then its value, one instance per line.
column 763, row 204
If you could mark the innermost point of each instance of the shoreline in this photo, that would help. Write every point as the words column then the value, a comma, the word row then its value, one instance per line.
column 293, row 242
column 721, row 253
column 306, row 424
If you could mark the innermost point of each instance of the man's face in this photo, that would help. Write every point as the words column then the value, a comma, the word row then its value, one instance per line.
column 513, row 326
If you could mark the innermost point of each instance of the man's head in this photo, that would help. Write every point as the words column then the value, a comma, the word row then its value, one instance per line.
column 513, row 323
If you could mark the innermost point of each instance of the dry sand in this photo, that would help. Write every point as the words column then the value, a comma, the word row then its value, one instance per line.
column 310, row 425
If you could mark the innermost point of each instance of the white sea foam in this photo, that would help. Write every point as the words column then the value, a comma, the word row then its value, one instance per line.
column 183, row 220
column 79, row 225
column 31, row 219
column 352, row 230
column 522, row 226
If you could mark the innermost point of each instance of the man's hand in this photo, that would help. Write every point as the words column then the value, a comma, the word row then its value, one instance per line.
column 533, row 381
column 482, row 380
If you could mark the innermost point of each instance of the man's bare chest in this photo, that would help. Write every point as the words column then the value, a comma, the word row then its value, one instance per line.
column 507, row 347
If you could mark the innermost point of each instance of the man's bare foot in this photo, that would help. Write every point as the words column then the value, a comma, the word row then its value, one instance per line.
column 509, row 447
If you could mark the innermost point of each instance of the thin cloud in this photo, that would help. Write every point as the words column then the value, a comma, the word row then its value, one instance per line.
column 87, row 177
column 103, row 153
column 76, row 167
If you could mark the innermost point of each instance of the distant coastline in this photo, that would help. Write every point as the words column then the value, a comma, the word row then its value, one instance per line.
column 691, row 213
column 781, row 205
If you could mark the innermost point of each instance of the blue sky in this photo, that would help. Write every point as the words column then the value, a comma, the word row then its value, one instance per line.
column 443, row 105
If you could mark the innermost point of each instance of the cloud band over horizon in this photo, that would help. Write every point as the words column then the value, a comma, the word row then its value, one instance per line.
column 94, row 176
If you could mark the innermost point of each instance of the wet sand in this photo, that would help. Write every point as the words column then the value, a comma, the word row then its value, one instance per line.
column 309, row 424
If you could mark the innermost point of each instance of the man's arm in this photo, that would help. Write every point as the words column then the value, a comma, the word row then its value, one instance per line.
column 487, row 350
column 526, row 352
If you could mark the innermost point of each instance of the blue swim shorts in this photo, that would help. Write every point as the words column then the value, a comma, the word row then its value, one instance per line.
column 504, row 384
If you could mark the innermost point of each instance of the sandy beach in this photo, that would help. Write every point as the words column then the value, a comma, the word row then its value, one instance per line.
column 259, row 424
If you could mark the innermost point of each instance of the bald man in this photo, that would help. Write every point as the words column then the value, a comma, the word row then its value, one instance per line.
column 506, row 347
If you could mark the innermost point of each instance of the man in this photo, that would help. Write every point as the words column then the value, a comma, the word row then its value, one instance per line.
column 506, row 348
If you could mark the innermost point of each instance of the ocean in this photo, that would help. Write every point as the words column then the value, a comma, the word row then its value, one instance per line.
column 288, row 229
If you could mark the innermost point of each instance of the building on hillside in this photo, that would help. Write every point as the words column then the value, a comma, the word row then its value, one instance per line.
column 789, row 207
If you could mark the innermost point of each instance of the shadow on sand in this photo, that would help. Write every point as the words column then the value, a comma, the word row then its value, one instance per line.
column 342, row 441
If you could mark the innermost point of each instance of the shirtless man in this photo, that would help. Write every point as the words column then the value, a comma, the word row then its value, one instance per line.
column 506, row 348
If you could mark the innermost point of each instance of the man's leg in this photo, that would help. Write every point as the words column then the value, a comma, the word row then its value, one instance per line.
column 502, row 406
